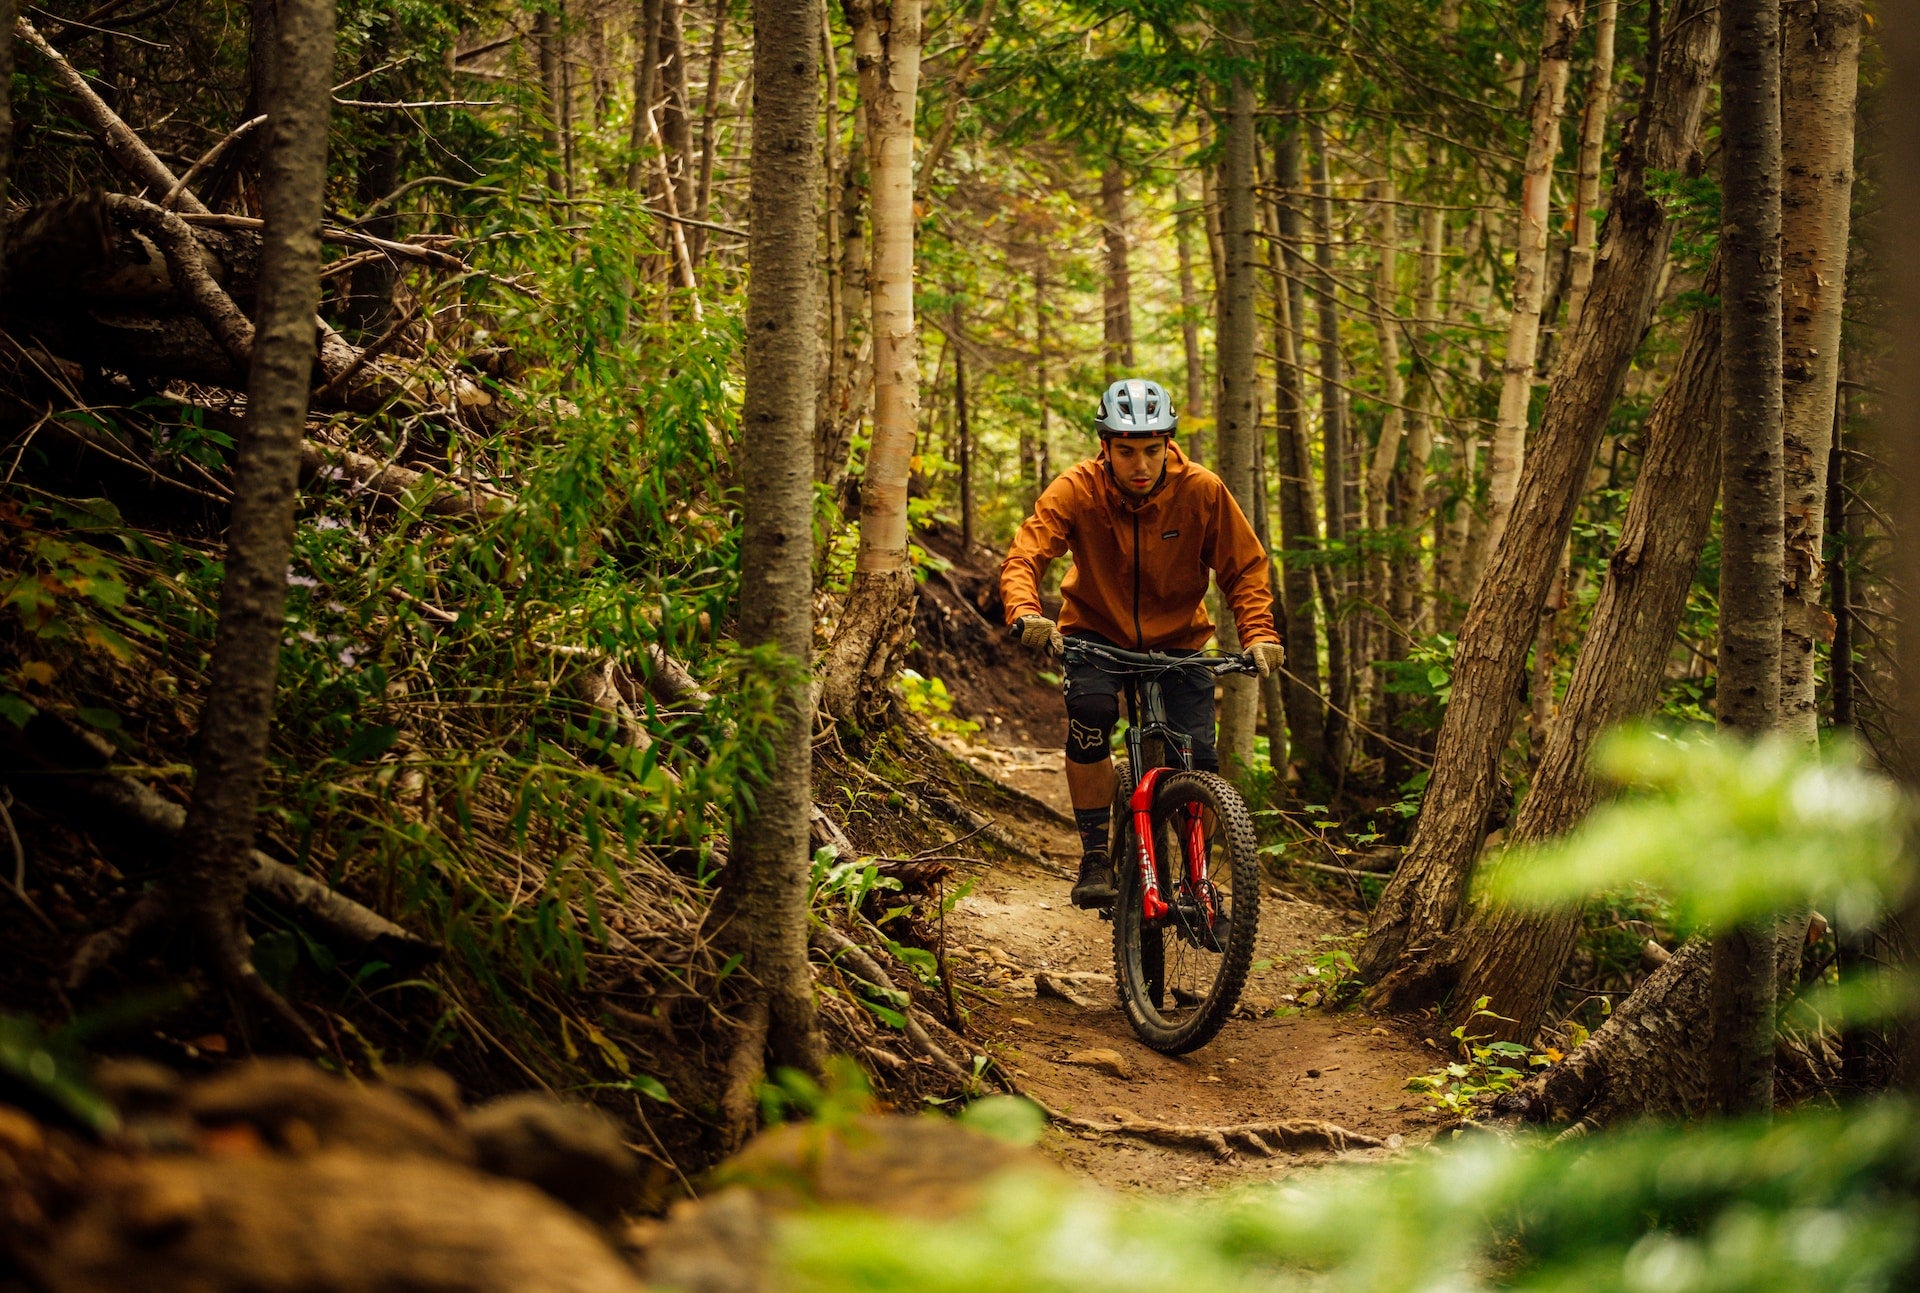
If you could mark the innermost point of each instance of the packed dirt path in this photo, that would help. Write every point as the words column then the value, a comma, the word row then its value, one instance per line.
column 1346, row 1068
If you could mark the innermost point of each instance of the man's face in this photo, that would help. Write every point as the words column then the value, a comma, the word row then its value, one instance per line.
column 1137, row 463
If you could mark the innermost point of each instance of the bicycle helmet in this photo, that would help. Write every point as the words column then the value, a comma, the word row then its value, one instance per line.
column 1134, row 408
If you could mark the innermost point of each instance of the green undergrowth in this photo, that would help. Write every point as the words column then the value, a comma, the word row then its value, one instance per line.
column 434, row 754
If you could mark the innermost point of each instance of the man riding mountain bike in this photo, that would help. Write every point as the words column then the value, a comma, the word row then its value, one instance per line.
column 1146, row 527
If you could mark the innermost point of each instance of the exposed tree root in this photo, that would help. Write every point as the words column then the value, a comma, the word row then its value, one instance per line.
column 1262, row 1138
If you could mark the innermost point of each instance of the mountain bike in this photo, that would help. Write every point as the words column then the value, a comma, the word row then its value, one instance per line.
column 1188, row 903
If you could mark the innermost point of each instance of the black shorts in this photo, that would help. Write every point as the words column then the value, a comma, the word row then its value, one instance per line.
column 1093, row 706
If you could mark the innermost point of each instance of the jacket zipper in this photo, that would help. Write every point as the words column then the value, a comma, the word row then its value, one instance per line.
column 1139, row 639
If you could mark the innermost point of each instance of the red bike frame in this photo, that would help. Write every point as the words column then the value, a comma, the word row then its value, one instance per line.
column 1152, row 905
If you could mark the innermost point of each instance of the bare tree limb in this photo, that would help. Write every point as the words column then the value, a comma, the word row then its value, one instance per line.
column 127, row 149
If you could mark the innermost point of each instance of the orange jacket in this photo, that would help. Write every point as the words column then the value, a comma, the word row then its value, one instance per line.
column 1140, row 566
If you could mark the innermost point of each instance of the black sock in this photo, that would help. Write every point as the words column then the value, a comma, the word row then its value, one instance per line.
column 1093, row 824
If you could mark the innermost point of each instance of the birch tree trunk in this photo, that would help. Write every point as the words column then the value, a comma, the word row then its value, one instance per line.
column 760, row 912
column 1337, row 581
column 878, row 616
column 206, row 886
column 1752, row 490
column 1593, row 144
column 1117, row 293
column 1235, row 346
column 1529, row 264
column 1422, row 901
column 1299, row 522
column 1819, row 78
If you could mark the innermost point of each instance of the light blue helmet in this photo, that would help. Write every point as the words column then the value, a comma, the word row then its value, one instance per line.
column 1134, row 407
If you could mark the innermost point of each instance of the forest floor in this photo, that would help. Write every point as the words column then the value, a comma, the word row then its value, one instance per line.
column 1344, row 1067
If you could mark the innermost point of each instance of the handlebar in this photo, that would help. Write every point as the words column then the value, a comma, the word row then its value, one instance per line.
column 1079, row 650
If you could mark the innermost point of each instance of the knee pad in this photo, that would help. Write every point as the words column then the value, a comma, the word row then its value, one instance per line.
column 1090, row 721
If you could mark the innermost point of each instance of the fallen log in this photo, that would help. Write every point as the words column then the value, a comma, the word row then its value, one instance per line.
column 64, row 771
column 459, row 501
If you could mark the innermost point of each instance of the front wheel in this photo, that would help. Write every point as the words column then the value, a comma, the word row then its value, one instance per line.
column 1179, row 976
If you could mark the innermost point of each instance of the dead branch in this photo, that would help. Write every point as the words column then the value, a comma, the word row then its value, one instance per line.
column 836, row 947
column 188, row 267
column 212, row 155
column 393, row 482
column 126, row 148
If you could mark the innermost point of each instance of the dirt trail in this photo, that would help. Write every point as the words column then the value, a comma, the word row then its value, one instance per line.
column 1346, row 1068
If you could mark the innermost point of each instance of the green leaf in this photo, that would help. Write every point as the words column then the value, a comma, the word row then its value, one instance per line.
column 650, row 1087
column 16, row 710
column 106, row 720
column 368, row 743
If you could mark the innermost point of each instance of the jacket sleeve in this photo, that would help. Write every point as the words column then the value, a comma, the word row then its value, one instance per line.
column 1041, row 538
column 1241, row 568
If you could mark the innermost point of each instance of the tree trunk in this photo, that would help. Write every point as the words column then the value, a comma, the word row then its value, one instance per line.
column 1406, row 604
column 207, row 884
column 1819, row 76
column 1299, row 522
column 850, row 385
column 6, row 126
column 1751, row 566
column 1117, row 294
column 1843, row 541
column 1515, row 957
column 1530, row 263
column 1042, row 458
column 1189, row 319
column 1389, row 634
column 878, row 616
column 1593, row 144
column 646, row 82
column 546, row 44
column 1336, row 583
column 676, row 118
column 1649, row 1059
column 710, row 125
column 1235, row 346
column 1421, row 902
column 963, row 433
column 761, row 909
column 1899, row 43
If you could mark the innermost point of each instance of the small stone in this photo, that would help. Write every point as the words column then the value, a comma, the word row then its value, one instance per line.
column 1024, row 1023
column 1105, row 1060
column 1378, row 1032
column 1313, row 1073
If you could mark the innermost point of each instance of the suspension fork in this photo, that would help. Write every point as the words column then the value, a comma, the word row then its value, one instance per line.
column 1196, row 828
column 1152, row 905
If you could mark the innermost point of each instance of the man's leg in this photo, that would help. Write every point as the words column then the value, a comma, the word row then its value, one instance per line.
column 1092, row 709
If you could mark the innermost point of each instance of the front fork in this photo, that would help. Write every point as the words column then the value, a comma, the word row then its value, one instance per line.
column 1153, row 906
